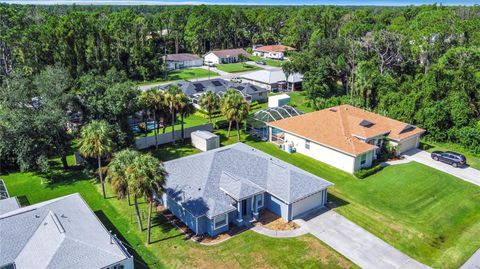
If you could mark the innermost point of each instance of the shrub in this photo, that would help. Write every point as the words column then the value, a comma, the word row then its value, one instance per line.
column 363, row 173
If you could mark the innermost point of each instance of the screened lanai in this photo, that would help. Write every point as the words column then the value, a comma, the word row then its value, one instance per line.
column 257, row 123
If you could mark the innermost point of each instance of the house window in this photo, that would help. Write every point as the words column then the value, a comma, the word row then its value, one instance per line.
column 307, row 144
column 219, row 221
column 363, row 159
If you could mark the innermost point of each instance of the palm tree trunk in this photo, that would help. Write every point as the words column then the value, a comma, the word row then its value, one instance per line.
column 128, row 198
column 229, row 127
column 101, row 176
column 155, row 129
column 183, row 128
column 238, row 132
column 149, row 220
column 137, row 211
column 209, row 116
column 173, row 126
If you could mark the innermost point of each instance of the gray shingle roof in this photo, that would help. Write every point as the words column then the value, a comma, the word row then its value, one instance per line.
column 9, row 204
column 201, row 182
column 182, row 57
column 59, row 233
column 216, row 85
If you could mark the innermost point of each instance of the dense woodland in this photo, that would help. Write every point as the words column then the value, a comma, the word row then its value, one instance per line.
column 415, row 64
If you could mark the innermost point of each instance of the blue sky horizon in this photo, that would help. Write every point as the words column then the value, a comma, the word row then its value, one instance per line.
column 249, row 2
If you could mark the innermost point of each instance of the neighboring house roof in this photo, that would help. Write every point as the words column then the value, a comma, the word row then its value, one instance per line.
column 272, row 76
column 8, row 204
column 338, row 127
column 274, row 48
column 229, row 53
column 58, row 233
column 218, row 85
column 207, row 183
column 182, row 57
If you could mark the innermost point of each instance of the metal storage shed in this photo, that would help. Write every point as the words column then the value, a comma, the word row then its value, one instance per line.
column 204, row 140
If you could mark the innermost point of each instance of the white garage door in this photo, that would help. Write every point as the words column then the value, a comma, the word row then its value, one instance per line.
column 309, row 203
column 408, row 144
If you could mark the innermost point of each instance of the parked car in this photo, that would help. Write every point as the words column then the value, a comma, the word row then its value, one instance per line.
column 236, row 80
column 452, row 158
column 261, row 62
column 211, row 64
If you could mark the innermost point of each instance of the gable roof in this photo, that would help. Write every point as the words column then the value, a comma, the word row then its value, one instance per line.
column 274, row 48
column 59, row 233
column 182, row 57
column 341, row 127
column 229, row 53
column 272, row 76
column 208, row 183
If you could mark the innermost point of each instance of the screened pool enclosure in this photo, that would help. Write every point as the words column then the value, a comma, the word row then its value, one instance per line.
column 257, row 123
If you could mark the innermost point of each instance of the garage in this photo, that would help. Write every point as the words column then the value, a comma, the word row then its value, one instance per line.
column 313, row 201
column 409, row 143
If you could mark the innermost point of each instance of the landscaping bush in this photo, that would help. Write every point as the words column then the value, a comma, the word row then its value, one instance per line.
column 363, row 173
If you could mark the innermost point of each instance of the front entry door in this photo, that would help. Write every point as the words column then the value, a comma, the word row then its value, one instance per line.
column 244, row 207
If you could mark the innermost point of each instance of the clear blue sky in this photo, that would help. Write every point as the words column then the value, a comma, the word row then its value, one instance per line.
column 252, row 2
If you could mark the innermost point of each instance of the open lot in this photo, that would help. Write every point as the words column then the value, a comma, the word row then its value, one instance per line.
column 170, row 248
column 182, row 74
column 236, row 67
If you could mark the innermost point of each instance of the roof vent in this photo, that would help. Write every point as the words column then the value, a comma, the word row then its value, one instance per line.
column 366, row 123
column 37, row 216
column 333, row 109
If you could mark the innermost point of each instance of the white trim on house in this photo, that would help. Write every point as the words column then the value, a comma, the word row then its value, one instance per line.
column 215, row 221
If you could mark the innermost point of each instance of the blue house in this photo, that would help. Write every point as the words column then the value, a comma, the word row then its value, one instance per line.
column 213, row 190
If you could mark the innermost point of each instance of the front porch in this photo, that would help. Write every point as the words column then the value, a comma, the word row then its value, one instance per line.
column 248, row 210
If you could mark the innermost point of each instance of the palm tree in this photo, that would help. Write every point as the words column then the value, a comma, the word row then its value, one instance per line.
column 186, row 109
column 210, row 102
column 152, row 100
column 173, row 98
column 116, row 172
column 235, row 109
column 147, row 177
column 95, row 142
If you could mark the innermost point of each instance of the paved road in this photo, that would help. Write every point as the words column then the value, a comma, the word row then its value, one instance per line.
column 467, row 173
column 357, row 244
column 473, row 262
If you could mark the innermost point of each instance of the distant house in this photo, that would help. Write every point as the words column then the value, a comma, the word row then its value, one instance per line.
column 58, row 233
column 195, row 89
column 224, row 56
column 345, row 137
column 274, row 80
column 276, row 52
column 183, row 60
column 213, row 190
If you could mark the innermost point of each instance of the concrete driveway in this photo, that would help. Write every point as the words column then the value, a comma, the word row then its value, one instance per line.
column 357, row 244
column 466, row 173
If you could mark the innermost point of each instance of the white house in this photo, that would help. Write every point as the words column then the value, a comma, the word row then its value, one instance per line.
column 274, row 80
column 344, row 136
column 183, row 60
column 276, row 52
column 224, row 56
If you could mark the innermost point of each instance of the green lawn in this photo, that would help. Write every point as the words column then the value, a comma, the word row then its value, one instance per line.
column 170, row 249
column 237, row 67
column 182, row 74
column 472, row 159
column 270, row 62
column 427, row 214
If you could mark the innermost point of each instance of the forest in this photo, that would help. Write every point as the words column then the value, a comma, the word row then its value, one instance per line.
column 416, row 64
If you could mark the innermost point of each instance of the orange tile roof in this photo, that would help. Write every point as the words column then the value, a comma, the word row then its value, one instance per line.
column 276, row 48
column 341, row 127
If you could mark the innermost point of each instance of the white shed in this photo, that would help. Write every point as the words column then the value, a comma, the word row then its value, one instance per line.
column 204, row 140
column 278, row 100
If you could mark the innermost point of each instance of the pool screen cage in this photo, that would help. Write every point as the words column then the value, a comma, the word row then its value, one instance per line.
column 257, row 123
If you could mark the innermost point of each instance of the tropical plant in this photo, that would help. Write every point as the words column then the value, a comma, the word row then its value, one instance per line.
column 186, row 109
column 95, row 142
column 153, row 103
column 210, row 101
column 147, row 177
column 235, row 109
column 173, row 98
column 116, row 173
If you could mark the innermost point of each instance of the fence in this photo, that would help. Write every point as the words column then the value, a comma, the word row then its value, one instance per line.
column 146, row 142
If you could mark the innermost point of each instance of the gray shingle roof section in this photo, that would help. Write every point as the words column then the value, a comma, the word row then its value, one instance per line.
column 201, row 182
column 217, row 86
column 9, row 204
column 59, row 233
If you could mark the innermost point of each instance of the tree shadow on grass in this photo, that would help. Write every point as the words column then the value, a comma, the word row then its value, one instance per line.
column 138, row 260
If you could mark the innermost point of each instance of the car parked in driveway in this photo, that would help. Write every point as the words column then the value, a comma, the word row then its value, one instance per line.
column 449, row 157
column 261, row 62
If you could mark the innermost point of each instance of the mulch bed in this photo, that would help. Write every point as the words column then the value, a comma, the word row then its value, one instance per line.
column 271, row 221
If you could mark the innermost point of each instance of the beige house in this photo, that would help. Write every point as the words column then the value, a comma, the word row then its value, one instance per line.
column 345, row 137
column 276, row 52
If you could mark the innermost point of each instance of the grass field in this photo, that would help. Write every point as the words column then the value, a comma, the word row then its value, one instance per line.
column 236, row 67
column 472, row 159
column 170, row 248
column 270, row 62
column 182, row 74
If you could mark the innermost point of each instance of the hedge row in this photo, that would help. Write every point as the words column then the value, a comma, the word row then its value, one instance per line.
column 363, row 173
